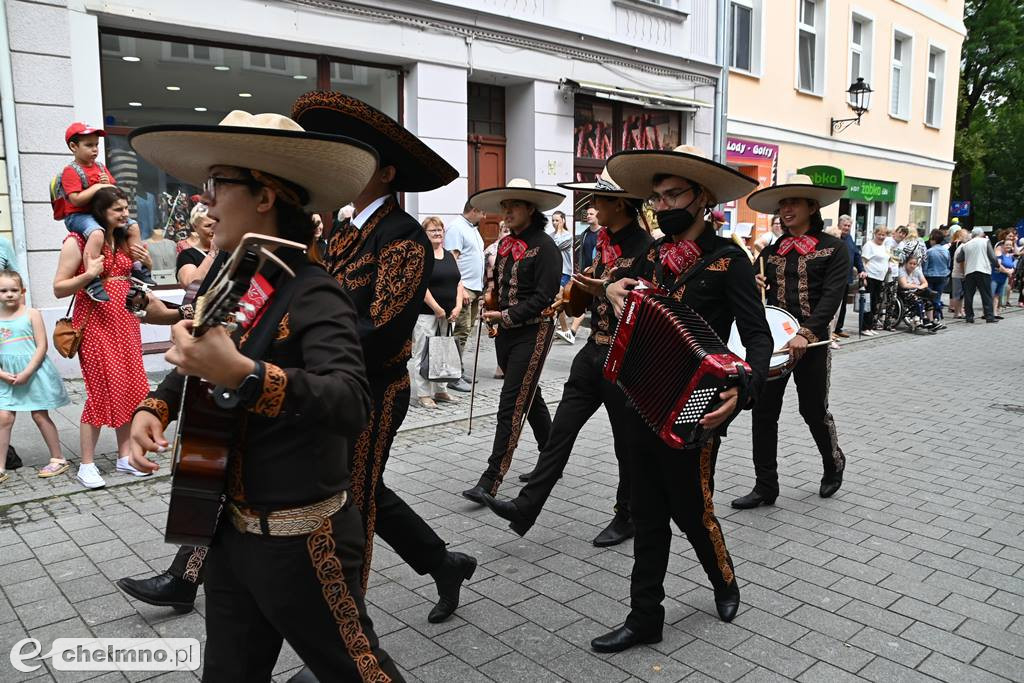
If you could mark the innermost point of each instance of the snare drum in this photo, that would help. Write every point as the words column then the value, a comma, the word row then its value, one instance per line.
column 784, row 327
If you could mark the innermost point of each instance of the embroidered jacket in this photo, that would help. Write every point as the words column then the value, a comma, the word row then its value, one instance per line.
column 384, row 268
column 632, row 242
column 724, row 291
column 292, row 442
column 528, row 284
column 810, row 286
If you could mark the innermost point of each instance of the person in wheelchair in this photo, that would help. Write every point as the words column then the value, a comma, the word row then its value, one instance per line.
column 917, row 298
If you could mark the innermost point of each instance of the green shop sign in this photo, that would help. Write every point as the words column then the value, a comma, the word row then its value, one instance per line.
column 865, row 190
column 824, row 175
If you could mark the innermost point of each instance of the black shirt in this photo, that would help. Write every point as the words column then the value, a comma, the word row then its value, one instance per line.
column 722, row 292
column 292, row 444
column 810, row 286
column 633, row 241
column 193, row 256
column 527, row 285
column 444, row 283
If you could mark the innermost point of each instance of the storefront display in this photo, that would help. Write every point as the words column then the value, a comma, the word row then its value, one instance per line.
column 869, row 203
column 758, row 160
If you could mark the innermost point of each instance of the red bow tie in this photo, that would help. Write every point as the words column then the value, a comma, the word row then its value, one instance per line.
column 609, row 252
column 804, row 244
column 508, row 244
column 679, row 256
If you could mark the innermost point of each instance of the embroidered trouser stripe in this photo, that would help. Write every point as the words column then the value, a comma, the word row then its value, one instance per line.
column 714, row 529
column 188, row 563
column 520, row 354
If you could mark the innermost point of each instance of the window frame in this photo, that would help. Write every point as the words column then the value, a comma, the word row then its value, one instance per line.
column 906, row 66
column 931, row 204
column 756, row 8
column 939, row 77
column 819, row 30
column 866, row 48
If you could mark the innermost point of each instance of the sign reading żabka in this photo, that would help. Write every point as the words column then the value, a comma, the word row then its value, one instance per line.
column 738, row 148
column 870, row 190
column 824, row 175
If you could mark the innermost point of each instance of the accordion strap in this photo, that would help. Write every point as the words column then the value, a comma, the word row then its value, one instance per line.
column 697, row 267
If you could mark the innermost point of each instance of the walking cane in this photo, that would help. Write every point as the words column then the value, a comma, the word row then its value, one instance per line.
column 476, row 361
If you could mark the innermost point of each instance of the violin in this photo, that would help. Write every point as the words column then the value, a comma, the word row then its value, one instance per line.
column 491, row 304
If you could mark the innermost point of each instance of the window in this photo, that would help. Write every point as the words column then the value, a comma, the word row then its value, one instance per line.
column 933, row 96
column 811, row 46
column 486, row 110
column 745, row 25
column 899, row 83
column 188, row 53
column 861, row 30
column 922, row 204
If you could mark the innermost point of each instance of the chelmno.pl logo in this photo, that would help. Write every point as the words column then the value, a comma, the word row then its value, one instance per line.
column 109, row 654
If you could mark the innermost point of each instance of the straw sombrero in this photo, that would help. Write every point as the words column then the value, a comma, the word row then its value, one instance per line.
column 418, row 167
column 604, row 186
column 330, row 168
column 634, row 171
column 489, row 201
column 799, row 186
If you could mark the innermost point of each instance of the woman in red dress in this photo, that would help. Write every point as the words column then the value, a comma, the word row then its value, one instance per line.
column 111, row 350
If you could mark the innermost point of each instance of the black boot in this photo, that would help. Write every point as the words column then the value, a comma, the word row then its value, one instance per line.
column 455, row 568
column 507, row 509
column 526, row 477
column 829, row 485
column 621, row 528
column 623, row 638
column 752, row 500
column 727, row 600
column 475, row 494
column 162, row 590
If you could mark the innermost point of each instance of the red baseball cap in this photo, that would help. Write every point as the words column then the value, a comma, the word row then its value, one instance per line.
column 79, row 128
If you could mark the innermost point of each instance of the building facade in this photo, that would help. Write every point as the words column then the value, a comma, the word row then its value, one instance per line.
column 790, row 69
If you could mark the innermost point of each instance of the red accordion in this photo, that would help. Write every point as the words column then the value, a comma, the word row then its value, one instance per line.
column 672, row 366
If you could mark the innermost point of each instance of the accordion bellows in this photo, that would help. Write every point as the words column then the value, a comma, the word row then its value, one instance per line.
column 671, row 365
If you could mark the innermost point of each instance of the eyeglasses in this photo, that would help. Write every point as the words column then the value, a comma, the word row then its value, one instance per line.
column 210, row 186
column 670, row 197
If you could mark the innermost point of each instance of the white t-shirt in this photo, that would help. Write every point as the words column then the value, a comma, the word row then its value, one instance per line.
column 464, row 237
column 876, row 259
column 915, row 278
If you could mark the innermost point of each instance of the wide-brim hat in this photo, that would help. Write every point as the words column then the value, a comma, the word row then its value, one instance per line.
column 604, row 186
column 634, row 171
column 332, row 169
column 489, row 201
column 418, row 168
column 799, row 186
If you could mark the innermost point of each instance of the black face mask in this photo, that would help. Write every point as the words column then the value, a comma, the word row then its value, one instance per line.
column 675, row 221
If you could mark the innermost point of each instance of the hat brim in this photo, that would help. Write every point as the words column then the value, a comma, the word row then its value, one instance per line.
column 332, row 169
column 591, row 188
column 634, row 172
column 767, row 200
column 489, row 201
column 418, row 168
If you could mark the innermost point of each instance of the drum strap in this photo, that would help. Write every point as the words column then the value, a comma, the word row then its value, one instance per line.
column 697, row 267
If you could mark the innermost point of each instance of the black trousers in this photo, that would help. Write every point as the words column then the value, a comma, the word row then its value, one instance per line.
column 383, row 512
column 811, row 375
column 671, row 485
column 874, row 288
column 261, row 590
column 188, row 563
column 841, row 319
column 520, row 354
column 584, row 392
column 982, row 283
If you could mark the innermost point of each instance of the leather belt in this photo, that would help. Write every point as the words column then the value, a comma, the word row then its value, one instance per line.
column 602, row 339
column 289, row 522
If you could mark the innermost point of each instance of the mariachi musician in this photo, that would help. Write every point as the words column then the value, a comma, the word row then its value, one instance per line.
column 285, row 563
column 526, row 275
column 805, row 272
column 620, row 244
column 713, row 276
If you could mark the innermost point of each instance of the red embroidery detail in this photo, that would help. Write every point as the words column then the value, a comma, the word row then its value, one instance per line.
column 804, row 245
column 258, row 295
column 679, row 256
column 609, row 252
column 510, row 244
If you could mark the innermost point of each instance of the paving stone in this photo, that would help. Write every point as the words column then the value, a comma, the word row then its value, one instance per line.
column 411, row 650
column 535, row 642
column 773, row 656
column 889, row 646
column 952, row 671
column 835, row 652
column 869, row 615
column 446, row 670
column 582, row 666
column 822, row 671
column 471, row 645
column 942, row 641
column 882, row 670
column 929, row 614
column 518, row 668
column 825, row 622
column 546, row 612
column 713, row 661
column 1001, row 663
column 782, row 630
column 993, row 637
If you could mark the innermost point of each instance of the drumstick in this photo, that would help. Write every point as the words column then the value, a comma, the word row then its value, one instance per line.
column 764, row 292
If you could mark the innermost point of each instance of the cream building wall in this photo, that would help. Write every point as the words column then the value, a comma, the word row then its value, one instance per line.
column 766, row 102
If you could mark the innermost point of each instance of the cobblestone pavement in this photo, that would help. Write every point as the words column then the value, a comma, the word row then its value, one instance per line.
column 914, row 571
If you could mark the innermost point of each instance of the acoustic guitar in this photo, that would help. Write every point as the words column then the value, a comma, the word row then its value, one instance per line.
column 204, row 436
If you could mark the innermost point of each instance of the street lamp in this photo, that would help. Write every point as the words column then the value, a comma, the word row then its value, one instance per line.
column 859, row 98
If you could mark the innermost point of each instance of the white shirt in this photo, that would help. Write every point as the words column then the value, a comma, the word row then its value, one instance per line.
column 464, row 237
column 876, row 259
column 365, row 214
column 977, row 253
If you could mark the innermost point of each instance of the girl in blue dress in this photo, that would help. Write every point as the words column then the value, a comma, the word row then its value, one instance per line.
column 28, row 379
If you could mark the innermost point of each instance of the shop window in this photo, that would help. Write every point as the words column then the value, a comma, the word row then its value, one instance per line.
column 933, row 95
column 745, row 24
column 901, row 74
column 861, row 44
column 922, row 205
column 811, row 46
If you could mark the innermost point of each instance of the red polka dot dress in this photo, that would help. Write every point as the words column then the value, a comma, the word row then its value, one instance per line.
column 111, row 351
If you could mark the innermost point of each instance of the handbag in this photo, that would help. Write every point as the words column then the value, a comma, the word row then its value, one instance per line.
column 441, row 361
column 66, row 337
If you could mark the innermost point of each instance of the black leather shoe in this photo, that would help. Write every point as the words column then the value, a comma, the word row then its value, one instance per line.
column 830, row 485
column 475, row 494
column 162, row 590
column 526, row 477
column 623, row 638
column 969, row 321
column 752, row 500
column 507, row 509
column 992, row 320
column 727, row 601
column 304, row 676
column 621, row 528
column 455, row 568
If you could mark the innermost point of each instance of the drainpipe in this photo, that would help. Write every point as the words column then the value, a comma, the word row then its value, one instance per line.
column 722, row 86
column 11, row 152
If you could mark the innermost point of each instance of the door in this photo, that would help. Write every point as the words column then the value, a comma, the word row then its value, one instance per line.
column 861, row 222
column 486, row 170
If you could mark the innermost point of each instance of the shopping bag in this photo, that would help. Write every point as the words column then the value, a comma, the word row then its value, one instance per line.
column 441, row 361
